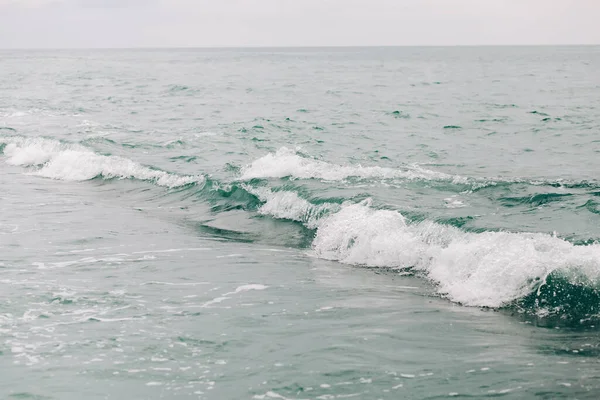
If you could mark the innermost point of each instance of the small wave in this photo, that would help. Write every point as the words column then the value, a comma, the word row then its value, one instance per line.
column 290, row 206
column 287, row 163
column 592, row 206
column 72, row 162
column 534, row 200
column 564, row 296
column 490, row 269
column 535, row 272
column 400, row 114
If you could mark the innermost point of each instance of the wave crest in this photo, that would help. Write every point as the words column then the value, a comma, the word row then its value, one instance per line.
column 287, row 163
column 71, row 162
column 290, row 206
column 488, row 269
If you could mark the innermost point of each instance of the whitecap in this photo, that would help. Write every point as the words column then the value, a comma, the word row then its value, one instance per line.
column 287, row 163
column 477, row 269
column 288, row 205
column 72, row 162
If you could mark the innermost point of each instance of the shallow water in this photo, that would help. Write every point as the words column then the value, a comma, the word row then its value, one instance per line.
column 302, row 224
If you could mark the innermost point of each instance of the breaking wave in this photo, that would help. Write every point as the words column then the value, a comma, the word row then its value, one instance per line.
column 71, row 162
column 490, row 269
column 287, row 163
column 536, row 272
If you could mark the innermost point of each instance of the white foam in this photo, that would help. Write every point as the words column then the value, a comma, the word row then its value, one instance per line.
column 72, row 162
column 207, row 133
column 361, row 235
column 272, row 395
column 478, row 269
column 453, row 202
column 30, row 152
column 227, row 296
column 245, row 288
column 287, row 163
column 15, row 114
column 288, row 205
column 486, row 269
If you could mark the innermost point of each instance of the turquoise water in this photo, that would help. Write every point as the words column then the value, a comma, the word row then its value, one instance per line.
column 372, row 223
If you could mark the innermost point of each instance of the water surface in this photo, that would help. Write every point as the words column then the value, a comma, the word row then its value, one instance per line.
column 372, row 223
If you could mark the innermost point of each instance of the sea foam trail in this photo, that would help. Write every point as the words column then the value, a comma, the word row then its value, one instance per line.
column 478, row 269
column 72, row 162
column 287, row 163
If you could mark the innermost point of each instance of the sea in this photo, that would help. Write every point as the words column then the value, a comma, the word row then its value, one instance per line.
column 300, row 223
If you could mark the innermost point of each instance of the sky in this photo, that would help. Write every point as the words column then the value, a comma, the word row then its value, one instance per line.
column 225, row 23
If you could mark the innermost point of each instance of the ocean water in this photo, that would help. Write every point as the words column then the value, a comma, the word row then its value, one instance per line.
column 370, row 223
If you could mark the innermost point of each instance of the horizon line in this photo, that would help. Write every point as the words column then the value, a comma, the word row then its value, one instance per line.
column 259, row 47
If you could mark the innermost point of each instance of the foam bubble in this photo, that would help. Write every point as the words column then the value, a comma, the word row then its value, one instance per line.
column 72, row 162
column 75, row 165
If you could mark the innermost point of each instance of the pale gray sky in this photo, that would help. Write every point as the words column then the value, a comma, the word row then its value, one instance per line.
column 202, row 23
